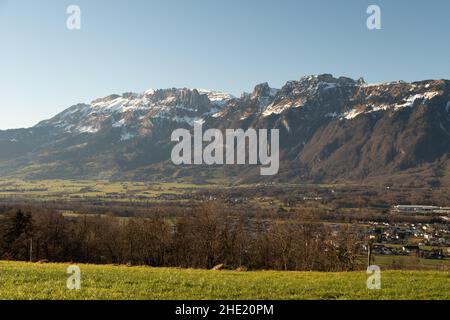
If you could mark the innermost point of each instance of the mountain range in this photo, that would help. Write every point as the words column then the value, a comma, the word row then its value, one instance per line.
column 332, row 130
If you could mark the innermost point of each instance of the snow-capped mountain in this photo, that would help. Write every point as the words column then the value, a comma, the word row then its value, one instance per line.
column 332, row 129
column 139, row 110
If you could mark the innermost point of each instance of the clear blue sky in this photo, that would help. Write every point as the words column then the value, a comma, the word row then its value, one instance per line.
column 229, row 45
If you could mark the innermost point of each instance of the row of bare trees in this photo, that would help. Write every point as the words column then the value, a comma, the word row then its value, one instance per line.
column 203, row 238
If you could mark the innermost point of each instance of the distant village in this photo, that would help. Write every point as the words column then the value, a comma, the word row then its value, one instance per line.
column 424, row 240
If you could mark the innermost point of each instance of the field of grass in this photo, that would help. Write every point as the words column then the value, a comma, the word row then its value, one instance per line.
column 48, row 281
column 411, row 262
column 90, row 189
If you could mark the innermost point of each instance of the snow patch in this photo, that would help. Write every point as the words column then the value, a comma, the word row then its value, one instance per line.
column 280, row 108
column 87, row 129
column 352, row 114
column 409, row 102
column 430, row 95
column 126, row 136
column 119, row 124
column 149, row 92
column 216, row 97
column 381, row 107
column 218, row 114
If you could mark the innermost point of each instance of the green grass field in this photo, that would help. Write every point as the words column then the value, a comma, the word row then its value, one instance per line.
column 48, row 281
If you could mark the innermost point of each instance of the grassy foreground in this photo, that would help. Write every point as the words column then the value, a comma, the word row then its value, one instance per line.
column 48, row 281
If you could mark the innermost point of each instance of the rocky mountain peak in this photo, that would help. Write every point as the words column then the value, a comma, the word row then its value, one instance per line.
column 331, row 127
column 327, row 79
column 263, row 94
column 261, row 90
column 106, row 99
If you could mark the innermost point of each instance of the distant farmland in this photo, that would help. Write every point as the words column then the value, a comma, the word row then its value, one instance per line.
column 48, row 281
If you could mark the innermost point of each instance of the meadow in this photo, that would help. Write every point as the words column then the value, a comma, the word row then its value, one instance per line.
column 67, row 190
column 48, row 281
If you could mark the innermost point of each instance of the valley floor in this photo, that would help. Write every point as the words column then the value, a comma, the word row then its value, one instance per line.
column 49, row 281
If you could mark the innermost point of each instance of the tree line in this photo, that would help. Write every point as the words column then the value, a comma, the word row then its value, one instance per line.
column 204, row 237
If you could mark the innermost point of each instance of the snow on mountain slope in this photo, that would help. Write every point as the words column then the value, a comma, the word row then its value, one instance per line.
column 178, row 105
column 323, row 96
column 216, row 97
column 345, row 98
column 330, row 129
